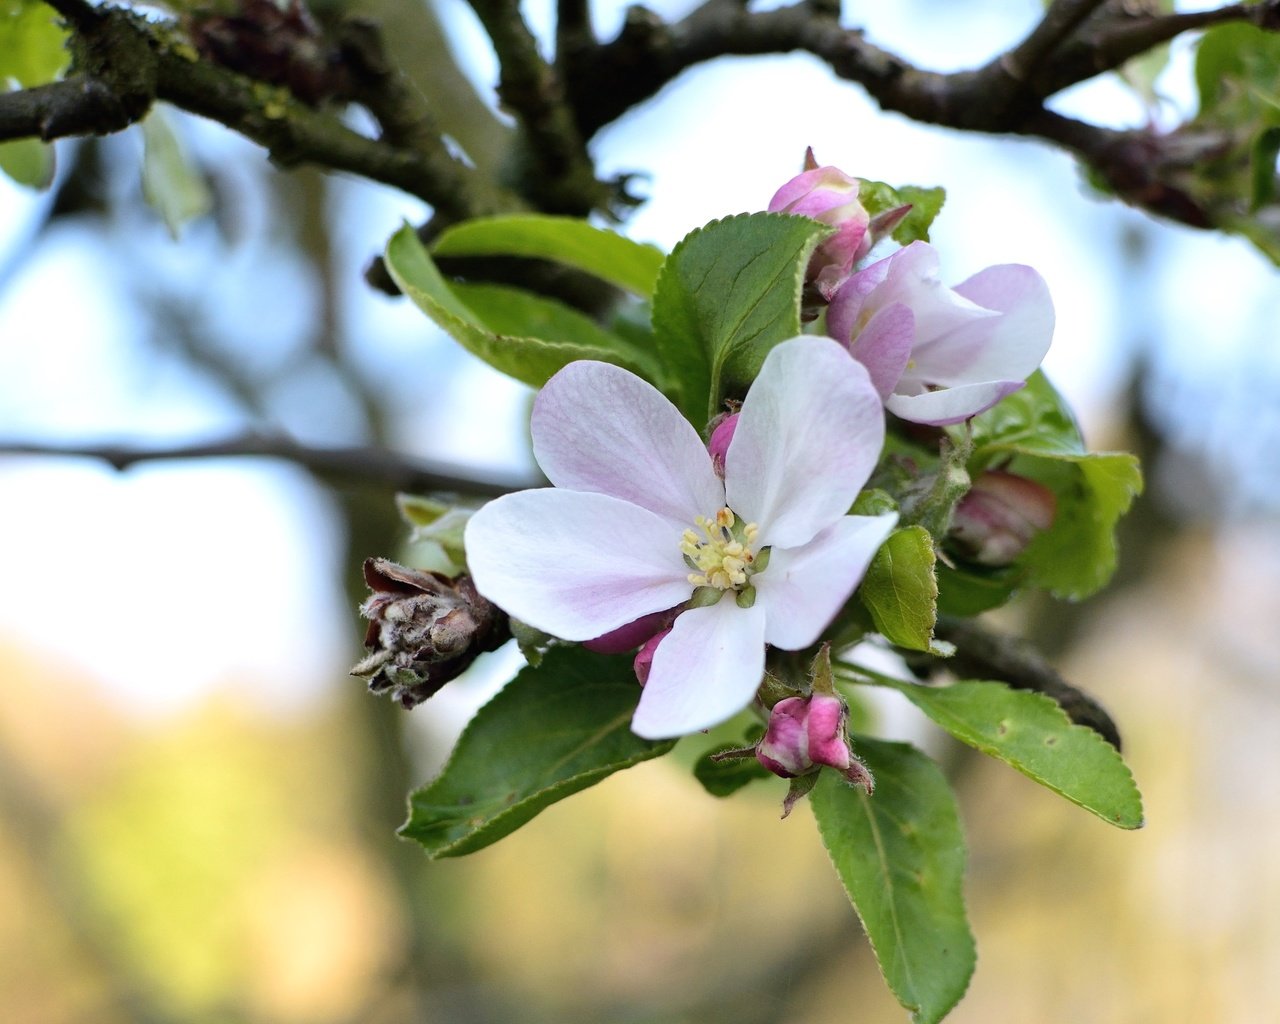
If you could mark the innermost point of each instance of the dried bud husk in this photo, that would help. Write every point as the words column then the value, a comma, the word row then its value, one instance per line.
column 424, row 629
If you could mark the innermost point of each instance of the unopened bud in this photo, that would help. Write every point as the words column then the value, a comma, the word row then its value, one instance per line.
column 803, row 735
column 632, row 635
column 644, row 657
column 424, row 629
column 998, row 517
column 827, row 195
column 718, row 446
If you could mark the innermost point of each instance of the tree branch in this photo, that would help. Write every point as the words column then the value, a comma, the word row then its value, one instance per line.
column 376, row 466
column 125, row 63
column 562, row 177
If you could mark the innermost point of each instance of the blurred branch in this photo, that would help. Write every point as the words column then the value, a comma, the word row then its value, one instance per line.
column 124, row 63
column 376, row 466
column 981, row 654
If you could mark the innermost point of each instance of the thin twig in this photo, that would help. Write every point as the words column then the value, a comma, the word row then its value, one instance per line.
column 376, row 466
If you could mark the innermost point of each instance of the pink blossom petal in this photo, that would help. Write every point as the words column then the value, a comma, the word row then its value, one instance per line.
column 951, row 405
column 825, row 181
column 846, row 305
column 574, row 564
column 803, row 588
column 1007, row 347
column 704, row 671
column 884, row 346
column 912, row 279
column 597, row 427
column 808, row 436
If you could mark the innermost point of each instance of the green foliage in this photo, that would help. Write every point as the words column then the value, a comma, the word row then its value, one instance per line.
column 575, row 243
column 727, row 294
column 525, row 357
column 1032, row 733
column 926, row 204
column 1237, row 68
column 170, row 185
column 1033, row 434
column 29, row 162
column 552, row 731
column 435, row 522
column 724, row 778
column 32, row 52
column 900, row 855
column 32, row 43
column 900, row 591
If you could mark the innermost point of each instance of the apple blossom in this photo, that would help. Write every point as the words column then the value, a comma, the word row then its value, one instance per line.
column 939, row 355
column 639, row 522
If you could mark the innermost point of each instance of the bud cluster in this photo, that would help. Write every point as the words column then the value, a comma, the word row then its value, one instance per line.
column 424, row 630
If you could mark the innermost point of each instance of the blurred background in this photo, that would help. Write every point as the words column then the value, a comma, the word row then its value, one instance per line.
column 198, row 805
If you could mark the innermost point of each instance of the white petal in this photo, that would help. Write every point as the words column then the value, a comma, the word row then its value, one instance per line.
column 704, row 671
column 1007, row 347
column 913, row 280
column 803, row 588
column 808, row 437
column 951, row 405
column 573, row 564
column 598, row 427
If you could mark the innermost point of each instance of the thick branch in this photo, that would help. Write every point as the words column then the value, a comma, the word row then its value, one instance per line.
column 374, row 466
column 124, row 63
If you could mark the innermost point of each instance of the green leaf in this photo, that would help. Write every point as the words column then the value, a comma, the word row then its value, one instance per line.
column 1033, row 418
column 29, row 162
column 32, row 43
column 926, row 204
column 1266, row 147
column 900, row 590
column 170, row 185
column 973, row 589
column 552, row 731
column 630, row 265
column 727, row 294
column 724, row 778
column 900, row 855
column 435, row 522
column 1032, row 733
column 1077, row 555
column 526, row 358
column 1032, row 433
column 512, row 312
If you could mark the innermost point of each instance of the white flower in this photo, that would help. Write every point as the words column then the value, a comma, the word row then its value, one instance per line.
column 637, row 505
column 939, row 355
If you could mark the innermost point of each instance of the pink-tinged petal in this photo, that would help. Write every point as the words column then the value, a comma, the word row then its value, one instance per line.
column 704, row 671
column 951, row 405
column 574, row 564
column 884, row 346
column 1006, row 347
column 803, row 588
column 598, row 427
column 824, row 179
column 808, row 435
column 912, row 279
column 847, row 303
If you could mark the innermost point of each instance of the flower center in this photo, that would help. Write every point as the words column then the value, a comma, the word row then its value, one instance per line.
column 723, row 556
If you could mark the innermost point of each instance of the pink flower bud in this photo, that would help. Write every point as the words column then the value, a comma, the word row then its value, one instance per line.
column 807, row 732
column 996, row 520
column 629, row 637
column 719, row 443
column 828, row 195
column 644, row 657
